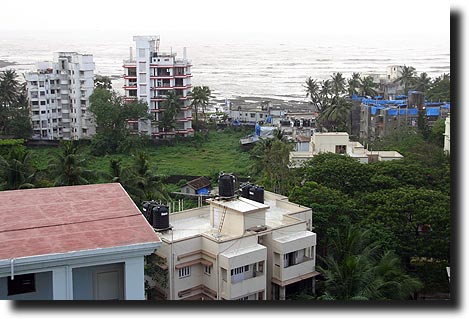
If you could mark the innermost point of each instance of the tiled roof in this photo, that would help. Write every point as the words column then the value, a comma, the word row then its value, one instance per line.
column 199, row 183
column 71, row 218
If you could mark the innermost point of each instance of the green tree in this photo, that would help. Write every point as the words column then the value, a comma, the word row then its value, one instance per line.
column 331, row 209
column 272, row 163
column 422, row 82
column 312, row 91
column 112, row 115
column 200, row 97
column 407, row 78
column 368, row 86
column 69, row 166
column 440, row 89
column 17, row 170
column 336, row 116
column 171, row 106
column 338, row 172
column 338, row 84
column 356, row 269
column 353, row 84
column 14, row 112
column 102, row 82
column 141, row 183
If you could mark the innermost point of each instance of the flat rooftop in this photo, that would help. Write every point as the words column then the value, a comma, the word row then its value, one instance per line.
column 195, row 222
column 67, row 219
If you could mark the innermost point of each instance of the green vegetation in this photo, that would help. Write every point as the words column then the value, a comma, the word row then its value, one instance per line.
column 14, row 112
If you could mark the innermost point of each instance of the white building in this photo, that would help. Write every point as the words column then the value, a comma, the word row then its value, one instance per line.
column 237, row 249
column 73, row 243
column 58, row 94
column 447, row 135
column 149, row 77
column 339, row 143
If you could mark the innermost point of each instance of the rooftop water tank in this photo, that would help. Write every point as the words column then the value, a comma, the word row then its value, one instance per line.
column 256, row 193
column 245, row 190
column 226, row 185
column 160, row 217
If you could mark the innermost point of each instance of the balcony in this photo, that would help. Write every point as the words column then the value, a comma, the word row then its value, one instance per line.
column 283, row 274
column 240, row 287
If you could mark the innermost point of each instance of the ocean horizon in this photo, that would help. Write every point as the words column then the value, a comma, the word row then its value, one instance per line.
column 264, row 65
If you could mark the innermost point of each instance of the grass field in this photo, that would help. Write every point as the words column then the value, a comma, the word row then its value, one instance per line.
column 219, row 152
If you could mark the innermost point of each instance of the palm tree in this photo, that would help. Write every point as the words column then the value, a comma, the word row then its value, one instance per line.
column 17, row 170
column 68, row 167
column 172, row 106
column 354, row 84
column 141, row 183
column 355, row 269
column 423, row 82
column 312, row 90
column 200, row 97
column 407, row 78
column 337, row 113
column 338, row 83
column 9, row 87
column 9, row 92
column 368, row 86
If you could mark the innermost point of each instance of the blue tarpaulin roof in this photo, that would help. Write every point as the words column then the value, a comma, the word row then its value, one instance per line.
column 392, row 112
column 203, row 191
column 433, row 111
column 412, row 111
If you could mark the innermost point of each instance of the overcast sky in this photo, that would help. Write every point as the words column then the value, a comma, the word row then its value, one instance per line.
column 364, row 17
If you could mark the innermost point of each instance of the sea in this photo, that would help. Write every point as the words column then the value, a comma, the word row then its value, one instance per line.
column 244, row 65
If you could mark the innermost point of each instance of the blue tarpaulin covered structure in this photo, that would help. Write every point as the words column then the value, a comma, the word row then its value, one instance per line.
column 433, row 111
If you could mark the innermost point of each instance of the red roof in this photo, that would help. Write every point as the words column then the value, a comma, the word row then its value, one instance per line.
column 71, row 218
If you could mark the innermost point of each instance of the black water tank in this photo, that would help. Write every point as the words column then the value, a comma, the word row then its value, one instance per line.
column 147, row 211
column 245, row 190
column 160, row 217
column 226, row 185
column 256, row 193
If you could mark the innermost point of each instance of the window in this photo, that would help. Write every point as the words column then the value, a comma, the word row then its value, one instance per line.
column 208, row 270
column 244, row 298
column 253, row 115
column 185, row 272
column 340, row 149
column 290, row 259
column 21, row 284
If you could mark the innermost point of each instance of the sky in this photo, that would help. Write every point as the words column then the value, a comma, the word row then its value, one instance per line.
column 364, row 18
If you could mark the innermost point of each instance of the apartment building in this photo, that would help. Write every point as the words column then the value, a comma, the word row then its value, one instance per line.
column 83, row 242
column 58, row 94
column 257, row 247
column 339, row 143
column 380, row 118
column 149, row 77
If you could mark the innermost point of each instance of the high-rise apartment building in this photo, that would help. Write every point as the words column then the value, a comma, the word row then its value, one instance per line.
column 58, row 94
column 149, row 77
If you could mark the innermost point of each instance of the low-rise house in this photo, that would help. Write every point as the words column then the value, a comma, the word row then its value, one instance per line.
column 339, row 143
column 197, row 186
column 73, row 243
column 447, row 134
column 237, row 249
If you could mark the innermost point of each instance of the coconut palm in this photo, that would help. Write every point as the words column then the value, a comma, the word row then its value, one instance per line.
column 200, row 97
column 337, row 113
column 141, row 183
column 355, row 269
column 17, row 170
column 354, row 84
column 69, row 167
column 407, row 78
column 312, row 90
column 367, row 86
column 422, row 82
column 9, row 87
column 338, row 83
column 172, row 106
